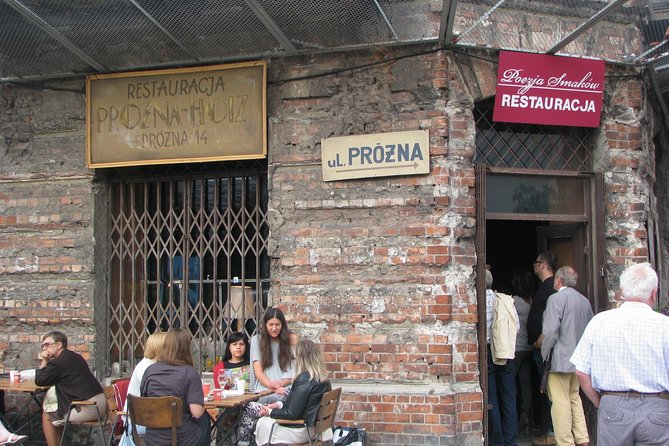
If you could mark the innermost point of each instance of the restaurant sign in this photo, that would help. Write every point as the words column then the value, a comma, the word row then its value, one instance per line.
column 176, row 116
column 552, row 90
column 375, row 155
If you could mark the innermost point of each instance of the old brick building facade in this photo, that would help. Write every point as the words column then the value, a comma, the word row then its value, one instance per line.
column 383, row 272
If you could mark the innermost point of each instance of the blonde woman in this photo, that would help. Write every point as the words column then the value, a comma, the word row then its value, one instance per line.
column 154, row 345
column 309, row 385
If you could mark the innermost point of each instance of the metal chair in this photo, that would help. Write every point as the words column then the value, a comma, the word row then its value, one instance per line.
column 324, row 418
column 101, row 420
column 162, row 412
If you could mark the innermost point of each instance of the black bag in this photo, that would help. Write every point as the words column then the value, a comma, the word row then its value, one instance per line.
column 353, row 436
column 544, row 376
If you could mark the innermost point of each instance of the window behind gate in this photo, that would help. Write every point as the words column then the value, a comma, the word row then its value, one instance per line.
column 186, row 250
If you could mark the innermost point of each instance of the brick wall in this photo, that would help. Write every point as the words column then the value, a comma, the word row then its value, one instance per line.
column 626, row 153
column 46, row 222
column 380, row 271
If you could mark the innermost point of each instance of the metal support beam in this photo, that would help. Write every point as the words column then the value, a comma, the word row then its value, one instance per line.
column 447, row 20
column 481, row 19
column 163, row 29
column 272, row 27
column 586, row 26
column 51, row 31
column 651, row 50
column 385, row 18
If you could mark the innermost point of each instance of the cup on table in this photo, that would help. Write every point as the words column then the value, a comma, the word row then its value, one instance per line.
column 15, row 376
column 206, row 387
column 241, row 385
column 217, row 394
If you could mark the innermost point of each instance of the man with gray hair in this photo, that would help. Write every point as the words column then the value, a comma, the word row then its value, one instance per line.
column 567, row 314
column 622, row 363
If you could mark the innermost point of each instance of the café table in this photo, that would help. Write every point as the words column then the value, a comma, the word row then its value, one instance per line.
column 229, row 409
column 37, row 394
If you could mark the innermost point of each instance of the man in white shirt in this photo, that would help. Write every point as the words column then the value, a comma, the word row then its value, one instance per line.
column 622, row 364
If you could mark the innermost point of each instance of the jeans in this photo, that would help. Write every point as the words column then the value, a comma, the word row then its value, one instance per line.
column 545, row 402
column 502, row 399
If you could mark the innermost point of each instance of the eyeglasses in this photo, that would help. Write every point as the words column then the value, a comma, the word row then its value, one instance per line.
column 537, row 262
column 47, row 344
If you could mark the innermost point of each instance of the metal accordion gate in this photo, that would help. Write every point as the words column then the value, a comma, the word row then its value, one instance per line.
column 186, row 250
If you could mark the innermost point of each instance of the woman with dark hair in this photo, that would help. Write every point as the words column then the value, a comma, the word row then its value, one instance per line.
column 174, row 375
column 235, row 363
column 311, row 382
column 271, row 368
column 524, row 286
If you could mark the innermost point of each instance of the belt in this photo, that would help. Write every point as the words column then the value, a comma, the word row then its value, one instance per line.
column 633, row 394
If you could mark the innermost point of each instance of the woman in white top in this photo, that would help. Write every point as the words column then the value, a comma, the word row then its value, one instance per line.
column 154, row 345
column 271, row 368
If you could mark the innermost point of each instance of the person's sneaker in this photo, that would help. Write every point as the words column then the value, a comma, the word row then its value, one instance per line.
column 544, row 440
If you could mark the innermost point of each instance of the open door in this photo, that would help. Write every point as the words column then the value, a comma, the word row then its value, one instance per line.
column 568, row 243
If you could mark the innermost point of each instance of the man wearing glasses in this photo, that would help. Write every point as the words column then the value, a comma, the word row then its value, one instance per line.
column 544, row 268
column 74, row 381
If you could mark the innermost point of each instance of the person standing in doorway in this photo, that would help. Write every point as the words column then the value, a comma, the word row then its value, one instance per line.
column 502, row 328
column 622, row 361
column 567, row 314
column 523, row 290
column 544, row 268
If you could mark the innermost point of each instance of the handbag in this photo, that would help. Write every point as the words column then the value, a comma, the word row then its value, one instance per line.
column 544, row 375
column 349, row 436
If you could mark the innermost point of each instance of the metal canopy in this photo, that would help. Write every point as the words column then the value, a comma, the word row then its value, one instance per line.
column 43, row 39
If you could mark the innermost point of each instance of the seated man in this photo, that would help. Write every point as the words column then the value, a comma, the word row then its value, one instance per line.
column 69, row 372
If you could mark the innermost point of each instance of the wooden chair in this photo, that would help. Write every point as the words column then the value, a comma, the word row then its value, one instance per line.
column 162, row 412
column 101, row 420
column 324, row 418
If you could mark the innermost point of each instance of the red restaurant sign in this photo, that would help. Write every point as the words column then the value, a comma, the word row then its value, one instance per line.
column 553, row 90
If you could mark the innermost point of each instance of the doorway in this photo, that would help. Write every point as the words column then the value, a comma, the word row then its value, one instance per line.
column 513, row 245
column 521, row 213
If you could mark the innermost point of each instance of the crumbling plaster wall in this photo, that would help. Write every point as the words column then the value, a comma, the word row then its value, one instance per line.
column 625, row 152
column 46, row 222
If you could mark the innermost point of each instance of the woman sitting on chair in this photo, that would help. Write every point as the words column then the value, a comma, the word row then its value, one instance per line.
column 154, row 345
column 174, row 375
column 303, row 402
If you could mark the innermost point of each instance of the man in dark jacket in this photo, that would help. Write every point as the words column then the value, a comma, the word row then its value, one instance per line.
column 544, row 268
column 74, row 381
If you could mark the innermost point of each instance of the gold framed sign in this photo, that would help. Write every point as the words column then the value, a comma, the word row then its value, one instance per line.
column 184, row 115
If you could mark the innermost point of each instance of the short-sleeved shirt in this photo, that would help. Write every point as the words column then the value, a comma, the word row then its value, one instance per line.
column 626, row 349
column 163, row 379
column 274, row 371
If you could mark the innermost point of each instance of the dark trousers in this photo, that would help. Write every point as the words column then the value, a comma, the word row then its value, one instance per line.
column 502, row 400
column 545, row 402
